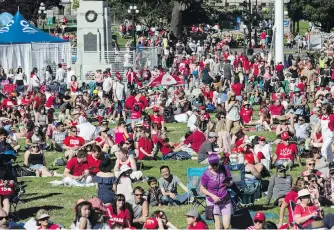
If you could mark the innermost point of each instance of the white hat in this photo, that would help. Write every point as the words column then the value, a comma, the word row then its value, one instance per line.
column 124, row 168
column 303, row 192
column 44, row 215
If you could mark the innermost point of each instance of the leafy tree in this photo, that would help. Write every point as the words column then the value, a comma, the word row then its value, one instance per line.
column 75, row 4
column 295, row 12
column 28, row 8
column 321, row 13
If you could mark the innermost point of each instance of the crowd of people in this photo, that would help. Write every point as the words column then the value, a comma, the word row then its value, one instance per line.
column 218, row 100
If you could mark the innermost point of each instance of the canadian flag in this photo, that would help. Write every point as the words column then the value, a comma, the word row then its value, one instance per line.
column 168, row 80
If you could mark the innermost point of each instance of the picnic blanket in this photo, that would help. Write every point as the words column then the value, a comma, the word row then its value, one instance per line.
column 70, row 183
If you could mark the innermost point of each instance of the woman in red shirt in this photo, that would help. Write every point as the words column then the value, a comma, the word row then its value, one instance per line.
column 118, row 213
column 194, row 220
column 145, row 147
column 237, row 88
column 246, row 113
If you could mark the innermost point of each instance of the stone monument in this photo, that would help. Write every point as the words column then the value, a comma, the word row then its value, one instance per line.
column 94, row 36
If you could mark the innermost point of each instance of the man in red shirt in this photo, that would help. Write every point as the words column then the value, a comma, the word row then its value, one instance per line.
column 259, row 219
column 76, row 170
column 237, row 88
column 303, row 84
column 94, row 159
column 158, row 119
column 195, row 139
column 72, row 143
column 286, row 151
column 193, row 220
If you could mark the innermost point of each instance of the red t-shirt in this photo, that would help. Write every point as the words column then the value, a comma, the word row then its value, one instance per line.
column 301, row 86
column 237, row 88
column 165, row 147
column 117, row 218
column 198, row 225
column 157, row 120
column 147, row 146
column 249, row 157
column 37, row 101
column 195, row 139
column 239, row 142
column 50, row 226
column 291, row 196
column 255, row 69
column 246, row 114
column 137, row 114
column 93, row 164
column 129, row 102
column 25, row 101
column 76, row 168
column 74, row 141
column 286, row 152
column 276, row 109
column 8, row 103
column 305, row 212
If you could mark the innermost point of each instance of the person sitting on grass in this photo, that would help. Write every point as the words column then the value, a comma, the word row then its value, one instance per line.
column 72, row 143
column 35, row 160
column 285, row 152
column 280, row 185
column 58, row 137
column 168, row 184
column 43, row 220
column 154, row 193
column 76, row 170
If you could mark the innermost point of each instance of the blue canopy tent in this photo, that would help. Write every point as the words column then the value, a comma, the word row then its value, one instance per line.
column 22, row 44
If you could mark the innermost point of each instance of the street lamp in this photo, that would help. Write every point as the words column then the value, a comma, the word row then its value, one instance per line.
column 133, row 11
column 41, row 13
column 244, row 40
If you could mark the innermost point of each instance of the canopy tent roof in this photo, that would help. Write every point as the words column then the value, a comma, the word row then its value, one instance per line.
column 19, row 31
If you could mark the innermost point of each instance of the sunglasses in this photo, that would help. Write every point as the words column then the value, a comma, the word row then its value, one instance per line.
column 74, row 130
column 4, row 217
column 33, row 146
column 138, row 194
column 222, row 117
column 104, row 124
column 121, row 200
column 300, row 120
column 312, row 181
column 44, row 219
column 311, row 164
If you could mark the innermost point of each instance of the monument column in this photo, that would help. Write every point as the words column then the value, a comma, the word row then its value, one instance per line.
column 279, row 33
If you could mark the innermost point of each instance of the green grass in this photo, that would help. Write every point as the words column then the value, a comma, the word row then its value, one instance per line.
column 60, row 201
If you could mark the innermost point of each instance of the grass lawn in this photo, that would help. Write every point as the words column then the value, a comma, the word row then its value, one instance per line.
column 60, row 201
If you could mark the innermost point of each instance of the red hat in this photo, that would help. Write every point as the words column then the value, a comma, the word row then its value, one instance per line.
column 285, row 136
column 156, row 109
column 261, row 138
column 117, row 73
column 202, row 107
column 259, row 216
column 118, row 76
column 151, row 223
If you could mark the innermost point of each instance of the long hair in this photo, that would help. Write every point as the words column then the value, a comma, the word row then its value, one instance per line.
column 119, row 196
column 78, row 210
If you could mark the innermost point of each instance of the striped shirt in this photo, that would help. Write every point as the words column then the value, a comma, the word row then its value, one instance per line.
column 59, row 137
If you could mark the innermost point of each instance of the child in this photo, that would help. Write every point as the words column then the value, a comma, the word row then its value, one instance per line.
column 83, row 213
column 154, row 194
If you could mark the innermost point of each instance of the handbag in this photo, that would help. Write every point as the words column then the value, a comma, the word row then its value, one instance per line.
column 21, row 171
column 209, row 215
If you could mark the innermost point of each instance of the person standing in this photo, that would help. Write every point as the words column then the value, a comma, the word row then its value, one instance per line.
column 215, row 182
column 60, row 73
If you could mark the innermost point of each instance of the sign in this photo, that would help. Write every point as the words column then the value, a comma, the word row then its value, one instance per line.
column 286, row 23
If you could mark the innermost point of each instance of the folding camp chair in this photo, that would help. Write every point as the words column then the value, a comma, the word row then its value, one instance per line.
column 193, row 185
column 16, row 199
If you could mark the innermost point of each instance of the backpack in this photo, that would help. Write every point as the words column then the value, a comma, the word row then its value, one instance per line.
column 60, row 162
column 21, row 171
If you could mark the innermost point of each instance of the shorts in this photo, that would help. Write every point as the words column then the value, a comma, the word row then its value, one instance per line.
column 225, row 207
column 98, row 84
column 36, row 167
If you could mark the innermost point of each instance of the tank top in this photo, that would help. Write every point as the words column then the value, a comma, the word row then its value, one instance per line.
column 128, row 163
column 42, row 119
column 35, row 159
column 118, row 136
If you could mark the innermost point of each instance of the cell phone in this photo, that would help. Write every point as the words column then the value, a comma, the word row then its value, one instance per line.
column 227, row 179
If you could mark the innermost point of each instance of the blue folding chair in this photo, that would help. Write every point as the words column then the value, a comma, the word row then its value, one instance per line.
column 193, row 185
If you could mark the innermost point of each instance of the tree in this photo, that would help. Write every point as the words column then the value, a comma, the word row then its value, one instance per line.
column 75, row 4
column 321, row 13
column 295, row 12
column 28, row 8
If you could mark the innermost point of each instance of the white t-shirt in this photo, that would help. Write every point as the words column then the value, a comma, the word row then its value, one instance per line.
column 107, row 84
column 119, row 89
column 191, row 120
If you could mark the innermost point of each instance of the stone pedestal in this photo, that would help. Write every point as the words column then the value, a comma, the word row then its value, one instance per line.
column 94, row 36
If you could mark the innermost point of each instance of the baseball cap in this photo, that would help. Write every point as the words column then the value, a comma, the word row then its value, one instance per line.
column 156, row 109
column 151, row 223
column 285, row 136
column 261, row 138
column 259, row 216
column 303, row 192
column 192, row 213
column 202, row 107
column 213, row 158
column 281, row 168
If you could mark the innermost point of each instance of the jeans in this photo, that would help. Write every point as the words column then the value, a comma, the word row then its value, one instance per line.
column 326, row 150
column 180, row 199
column 20, row 88
column 281, row 162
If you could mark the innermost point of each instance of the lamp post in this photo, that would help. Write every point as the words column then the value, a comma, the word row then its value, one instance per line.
column 41, row 13
column 133, row 11
column 244, row 40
